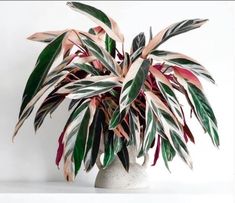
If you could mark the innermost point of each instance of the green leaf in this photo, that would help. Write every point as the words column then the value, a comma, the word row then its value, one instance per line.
column 72, row 103
column 75, row 135
column 90, row 86
column 124, row 157
column 88, row 68
column 103, row 56
column 133, row 82
column 181, row 60
column 29, row 108
column 168, row 152
column 49, row 105
column 135, row 55
column 93, row 142
column 117, row 144
column 205, row 113
column 172, row 30
column 110, row 46
column 150, row 33
column 125, row 64
column 138, row 42
column 96, row 15
column 167, row 91
column 134, row 125
column 43, row 65
column 170, row 126
column 150, row 130
column 109, row 154
column 152, row 127
column 80, row 143
column 161, row 111
column 180, row 147
column 116, row 118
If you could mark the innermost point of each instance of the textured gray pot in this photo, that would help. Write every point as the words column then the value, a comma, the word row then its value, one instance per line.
column 116, row 177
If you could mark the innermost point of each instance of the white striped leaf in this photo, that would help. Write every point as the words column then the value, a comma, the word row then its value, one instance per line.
column 150, row 129
column 73, row 103
column 66, row 64
column 168, row 93
column 110, row 46
column 101, row 19
column 168, row 152
column 201, row 106
column 125, row 64
column 75, row 138
column 123, row 156
column 93, row 141
column 135, row 55
column 133, row 82
column 46, row 36
column 172, row 30
column 42, row 67
column 204, row 112
column 60, row 67
column 138, row 42
column 116, row 118
column 89, row 86
column 172, row 129
column 109, row 152
column 134, row 124
column 28, row 109
column 49, row 105
column 177, row 59
column 88, row 68
column 103, row 56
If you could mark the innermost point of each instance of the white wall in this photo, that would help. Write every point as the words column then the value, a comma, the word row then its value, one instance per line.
column 32, row 157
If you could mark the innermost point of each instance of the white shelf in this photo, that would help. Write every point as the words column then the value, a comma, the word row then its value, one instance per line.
column 166, row 192
column 154, row 188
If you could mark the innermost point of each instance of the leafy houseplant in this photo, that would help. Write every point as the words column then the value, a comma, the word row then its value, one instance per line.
column 119, row 100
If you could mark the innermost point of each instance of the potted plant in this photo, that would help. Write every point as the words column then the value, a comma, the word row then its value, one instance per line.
column 122, row 103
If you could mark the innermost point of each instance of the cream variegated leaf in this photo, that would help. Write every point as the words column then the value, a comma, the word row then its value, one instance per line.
column 48, row 106
column 171, row 127
column 177, row 59
column 133, row 82
column 172, row 30
column 101, row 19
column 150, row 130
column 201, row 106
column 44, row 62
column 103, row 56
column 46, row 36
column 134, row 125
column 117, row 99
column 90, row 86
column 28, row 109
column 75, row 137
column 168, row 93
column 69, row 61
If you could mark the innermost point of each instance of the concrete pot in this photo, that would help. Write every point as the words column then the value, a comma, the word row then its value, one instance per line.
column 116, row 177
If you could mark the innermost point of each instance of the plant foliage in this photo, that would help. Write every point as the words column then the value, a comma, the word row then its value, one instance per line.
column 117, row 98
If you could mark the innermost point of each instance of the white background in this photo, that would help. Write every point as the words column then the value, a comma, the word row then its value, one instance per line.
column 31, row 157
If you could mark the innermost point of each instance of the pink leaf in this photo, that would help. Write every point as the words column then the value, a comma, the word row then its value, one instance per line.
column 60, row 149
column 157, row 151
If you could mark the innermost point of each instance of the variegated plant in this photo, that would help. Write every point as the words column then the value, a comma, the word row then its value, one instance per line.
column 117, row 98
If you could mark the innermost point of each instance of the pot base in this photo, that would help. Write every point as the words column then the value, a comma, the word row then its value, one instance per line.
column 116, row 177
